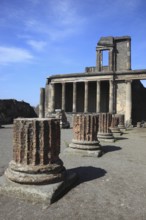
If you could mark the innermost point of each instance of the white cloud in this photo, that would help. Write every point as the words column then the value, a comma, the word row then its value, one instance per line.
column 14, row 55
column 60, row 19
column 66, row 13
column 37, row 45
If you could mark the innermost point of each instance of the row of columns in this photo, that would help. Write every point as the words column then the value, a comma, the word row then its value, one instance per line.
column 98, row 98
column 86, row 93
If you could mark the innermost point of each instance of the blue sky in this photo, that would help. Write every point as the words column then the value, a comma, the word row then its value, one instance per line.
column 39, row 38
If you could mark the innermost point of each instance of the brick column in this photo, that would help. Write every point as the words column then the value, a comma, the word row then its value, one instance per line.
column 85, row 142
column 42, row 103
column 121, row 124
column 114, row 126
column 74, row 109
column 36, row 148
column 104, row 132
column 63, row 96
column 98, row 96
column 36, row 171
column 86, row 97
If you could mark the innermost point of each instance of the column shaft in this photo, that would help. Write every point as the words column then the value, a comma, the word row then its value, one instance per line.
column 36, row 148
column 52, row 97
column 98, row 96
column 74, row 97
column 42, row 103
column 86, row 97
column 110, row 60
column 128, row 102
column 63, row 96
column 98, row 60
column 111, row 96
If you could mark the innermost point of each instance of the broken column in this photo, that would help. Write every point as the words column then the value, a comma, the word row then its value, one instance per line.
column 85, row 142
column 36, row 148
column 104, row 132
column 114, row 126
column 121, row 123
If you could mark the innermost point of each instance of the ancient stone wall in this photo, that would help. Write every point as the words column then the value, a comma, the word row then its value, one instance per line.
column 121, row 55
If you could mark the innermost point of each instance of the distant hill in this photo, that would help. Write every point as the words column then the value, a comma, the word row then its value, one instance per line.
column 11, row 109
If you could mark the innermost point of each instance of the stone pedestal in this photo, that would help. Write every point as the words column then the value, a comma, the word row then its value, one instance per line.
column 85, row 142
column 104, row 132
column 36, row 148
column 114, row 126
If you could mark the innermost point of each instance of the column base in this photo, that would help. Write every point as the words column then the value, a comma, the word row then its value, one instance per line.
column 75, row 150
column 107, row 137
column 41, row 174
column 116, row 132
column 122, row 128
column 85, row 145
column 46, row 194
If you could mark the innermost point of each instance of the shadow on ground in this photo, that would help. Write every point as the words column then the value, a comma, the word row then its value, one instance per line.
column 2, row 170
column 83, row 174
column 120, row 138
column 110, row 148
column 88, row 173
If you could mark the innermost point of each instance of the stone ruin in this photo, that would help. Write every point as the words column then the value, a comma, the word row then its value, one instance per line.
column 36, row 171
column 85, row 140
column 111, row 86
column 104, row 131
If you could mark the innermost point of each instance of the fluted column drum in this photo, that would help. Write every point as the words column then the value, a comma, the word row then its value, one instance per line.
column 104, row 132
column 121, row 123
column 114, row 126
column 36, row 148
column 85, row 127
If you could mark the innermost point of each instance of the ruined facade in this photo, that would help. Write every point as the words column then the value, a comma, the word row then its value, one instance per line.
column 106, row 87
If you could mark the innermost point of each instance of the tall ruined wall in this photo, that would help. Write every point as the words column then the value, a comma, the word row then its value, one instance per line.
column 121, row 55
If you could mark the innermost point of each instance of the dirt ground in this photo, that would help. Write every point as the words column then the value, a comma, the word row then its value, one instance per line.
column 112, row 187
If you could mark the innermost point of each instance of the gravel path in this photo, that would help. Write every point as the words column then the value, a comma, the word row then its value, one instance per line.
column 112, row 187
